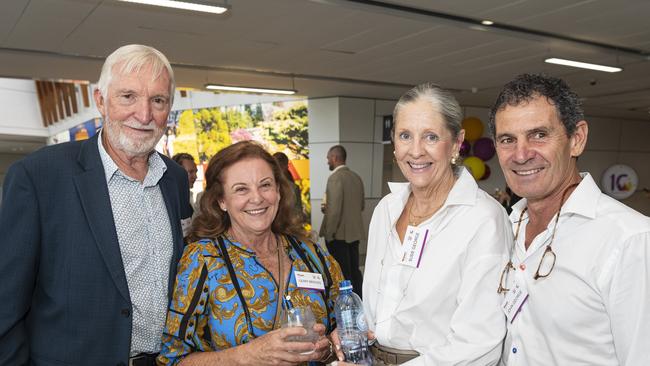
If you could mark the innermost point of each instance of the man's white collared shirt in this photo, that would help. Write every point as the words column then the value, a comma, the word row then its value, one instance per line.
column 594, row 307
column 448, row 308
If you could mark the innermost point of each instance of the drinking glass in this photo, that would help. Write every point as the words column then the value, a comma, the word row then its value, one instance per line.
column 300, row 316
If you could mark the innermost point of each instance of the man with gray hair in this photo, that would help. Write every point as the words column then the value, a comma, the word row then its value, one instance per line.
column 92, row 230
column 577, row 283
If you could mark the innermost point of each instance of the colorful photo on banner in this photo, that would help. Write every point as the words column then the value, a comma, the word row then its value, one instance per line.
column 86, row 130
column 278, row 126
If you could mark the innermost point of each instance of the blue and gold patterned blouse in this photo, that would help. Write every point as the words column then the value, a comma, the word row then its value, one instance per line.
column 206, row 313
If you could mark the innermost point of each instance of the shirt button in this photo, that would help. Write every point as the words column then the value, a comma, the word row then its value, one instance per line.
column 522, row 267
column 514, row 349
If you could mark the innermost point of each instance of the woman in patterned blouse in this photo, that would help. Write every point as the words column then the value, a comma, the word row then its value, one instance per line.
column 241, row 270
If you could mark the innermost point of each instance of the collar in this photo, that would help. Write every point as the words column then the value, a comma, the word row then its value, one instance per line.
column 339, row 168
column 157, row 166
column 232, row 242
column 582, row 201
column 462, row 193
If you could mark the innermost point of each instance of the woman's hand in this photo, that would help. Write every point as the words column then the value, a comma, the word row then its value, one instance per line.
column 337, row 345
column 324, row 348
column 273, row 349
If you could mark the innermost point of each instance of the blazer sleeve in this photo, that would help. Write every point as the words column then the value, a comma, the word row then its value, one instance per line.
column 19, row 245
column 334, row 206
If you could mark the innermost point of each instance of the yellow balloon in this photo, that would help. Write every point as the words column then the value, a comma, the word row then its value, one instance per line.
column 475, row 166
column 473, row 128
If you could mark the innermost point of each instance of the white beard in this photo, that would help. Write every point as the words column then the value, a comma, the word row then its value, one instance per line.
column 132, row 147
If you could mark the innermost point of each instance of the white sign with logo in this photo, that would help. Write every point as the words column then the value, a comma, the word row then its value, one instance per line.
column 619, row 181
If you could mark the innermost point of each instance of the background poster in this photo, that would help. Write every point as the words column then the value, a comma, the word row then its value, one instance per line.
column 278, row 126
column 85, row 130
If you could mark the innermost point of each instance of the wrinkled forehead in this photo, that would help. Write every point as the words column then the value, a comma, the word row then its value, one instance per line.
column 147, row 71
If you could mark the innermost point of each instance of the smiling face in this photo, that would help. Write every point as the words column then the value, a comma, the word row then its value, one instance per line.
column 251, row 196
column 424, row 147
column 536, row 155
column 135, row 110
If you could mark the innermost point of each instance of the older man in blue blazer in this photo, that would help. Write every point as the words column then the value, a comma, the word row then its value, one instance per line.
column 91, row 231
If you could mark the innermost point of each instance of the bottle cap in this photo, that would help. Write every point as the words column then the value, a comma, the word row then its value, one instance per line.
column 345, row 285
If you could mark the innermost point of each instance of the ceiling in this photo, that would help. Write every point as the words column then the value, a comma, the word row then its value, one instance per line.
column 348, row 48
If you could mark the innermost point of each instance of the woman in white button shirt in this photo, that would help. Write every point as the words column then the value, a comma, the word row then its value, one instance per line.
column 436, row 305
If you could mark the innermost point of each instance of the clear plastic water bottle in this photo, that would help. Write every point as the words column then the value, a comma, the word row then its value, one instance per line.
column 352, row 326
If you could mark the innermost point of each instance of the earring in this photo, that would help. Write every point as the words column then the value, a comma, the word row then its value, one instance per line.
column 454, row 160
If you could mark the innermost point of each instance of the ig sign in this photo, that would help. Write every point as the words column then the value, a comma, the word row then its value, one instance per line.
column 619, row 181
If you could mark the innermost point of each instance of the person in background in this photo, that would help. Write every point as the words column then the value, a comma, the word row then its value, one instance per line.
column 283, row 160
column 507, row 198
column 580, row 258
column 91, row 230
column 436, row 246
column 187, row 162
column 342, row 225
column 248, row 260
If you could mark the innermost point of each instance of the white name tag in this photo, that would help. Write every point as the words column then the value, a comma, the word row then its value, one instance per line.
column 514, row 300
column 413, row 245
column 309, row 280
column 185, row 226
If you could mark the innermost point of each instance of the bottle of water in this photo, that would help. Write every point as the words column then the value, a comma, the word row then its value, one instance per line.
column 352, row 326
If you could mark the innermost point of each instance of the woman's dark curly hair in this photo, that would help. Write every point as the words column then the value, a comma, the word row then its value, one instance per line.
column 212, row 221
column 526, row 87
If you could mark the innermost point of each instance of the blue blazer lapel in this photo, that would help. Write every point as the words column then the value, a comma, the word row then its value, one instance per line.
column 170, row 192
column 93, row 194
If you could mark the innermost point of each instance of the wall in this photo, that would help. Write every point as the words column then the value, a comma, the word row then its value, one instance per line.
column 20, row 112
column 355, row 123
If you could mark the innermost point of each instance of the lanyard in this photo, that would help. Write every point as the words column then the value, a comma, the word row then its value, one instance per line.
column 235, row 283
column 242, row 299
column 309, row 262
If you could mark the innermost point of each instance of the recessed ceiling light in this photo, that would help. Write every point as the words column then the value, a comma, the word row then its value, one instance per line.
column 582, row 65
column 196, row 5
column 487, row 22
column 244, row 89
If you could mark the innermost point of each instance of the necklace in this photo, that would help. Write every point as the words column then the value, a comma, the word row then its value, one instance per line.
column 415, row 220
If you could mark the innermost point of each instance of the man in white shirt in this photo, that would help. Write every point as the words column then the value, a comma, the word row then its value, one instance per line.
column 576, row 291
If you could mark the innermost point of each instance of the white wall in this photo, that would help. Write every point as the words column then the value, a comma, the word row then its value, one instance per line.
column 21, row 114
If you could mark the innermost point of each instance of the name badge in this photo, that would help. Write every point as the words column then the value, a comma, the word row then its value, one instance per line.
column 413, row 245
column 515, row 299
column 309, row 280
column 185, row 225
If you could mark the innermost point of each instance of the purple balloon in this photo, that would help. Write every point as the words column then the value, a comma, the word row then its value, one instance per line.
column 484, row 148
column 465, row 147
